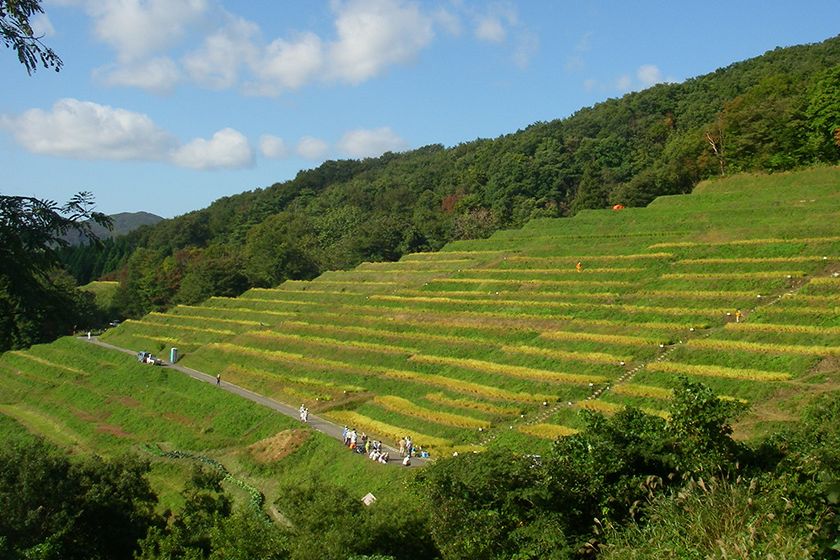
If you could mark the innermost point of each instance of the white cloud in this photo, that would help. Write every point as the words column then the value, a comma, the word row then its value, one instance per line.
column 285, row 65
column 649, row 75
column 489, row 28
column 363, row 143
column 228, row 148
column 86, row 130
column 273, row 147
column 41, row 25
column 590, row 84
column 216, row 64
column 311, row 148
column 158, row 75
column 374, row 34
column 137, row 28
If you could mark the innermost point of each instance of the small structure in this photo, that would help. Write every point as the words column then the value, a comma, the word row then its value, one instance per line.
column 368, row 499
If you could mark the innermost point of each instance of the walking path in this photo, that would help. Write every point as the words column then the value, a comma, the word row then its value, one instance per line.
column 315, row 422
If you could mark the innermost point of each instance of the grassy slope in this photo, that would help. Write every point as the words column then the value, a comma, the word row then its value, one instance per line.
column 462, row 348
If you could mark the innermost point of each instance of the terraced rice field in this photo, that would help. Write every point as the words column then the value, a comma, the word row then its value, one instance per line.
column 500, row 341
column 506, row 337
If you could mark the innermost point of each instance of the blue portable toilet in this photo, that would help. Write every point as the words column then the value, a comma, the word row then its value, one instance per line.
column 173, row 355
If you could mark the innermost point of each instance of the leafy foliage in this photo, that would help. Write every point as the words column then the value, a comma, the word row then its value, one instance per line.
column 16, row 30
column 54, row 508
column 38, row 301
column 771, row 113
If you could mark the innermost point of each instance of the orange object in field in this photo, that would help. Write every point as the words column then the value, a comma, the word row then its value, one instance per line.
column 618, row 207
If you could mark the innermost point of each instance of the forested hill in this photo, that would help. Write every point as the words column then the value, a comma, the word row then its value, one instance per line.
column 121, row 224
column 774, row 112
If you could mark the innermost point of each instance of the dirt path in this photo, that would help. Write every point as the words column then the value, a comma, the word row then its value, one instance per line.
column 315, row 422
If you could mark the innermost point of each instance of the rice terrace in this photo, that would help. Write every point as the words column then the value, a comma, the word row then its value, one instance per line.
column 261, row 297
column 495, row 343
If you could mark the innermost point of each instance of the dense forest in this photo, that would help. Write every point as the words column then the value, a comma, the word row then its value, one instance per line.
column 628, row 486
column 775, row 112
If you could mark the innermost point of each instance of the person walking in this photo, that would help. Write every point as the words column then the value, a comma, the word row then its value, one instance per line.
column 218, row 379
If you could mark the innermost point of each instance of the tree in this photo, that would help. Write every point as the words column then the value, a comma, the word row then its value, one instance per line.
column 35, row 304
column 87, row 509
column 17, row 34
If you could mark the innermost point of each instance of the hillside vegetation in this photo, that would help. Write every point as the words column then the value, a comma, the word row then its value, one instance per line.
column 776, row 112
column 488, row 338
column 623, row 373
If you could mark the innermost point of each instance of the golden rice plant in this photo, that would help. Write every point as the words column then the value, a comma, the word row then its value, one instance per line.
column 407, row 407
column 642, row 391
column 750, row 260
column 765, row 241
column 546, row 431
column 783, row 328
column 175, row 317
column 336, row 342
column 448, row 254
column 457, row 385
column 469, row 404
column 603, row 407
column 300, row 380
column 826, row 281
column 584, row 258
column 627, row 340
column 784, row 309
column 530, row 281
column 520, row 372
column 594, row 357
column 280, row 301
column 765, row 347
column 384, row 431
column 570, row 269
column 718, row 371
column 699, row 294
column 733, row 275
column 221, row 332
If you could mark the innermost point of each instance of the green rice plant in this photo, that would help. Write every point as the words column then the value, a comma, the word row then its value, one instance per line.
column 546, row 431
column 29, row 356
column 385, row 431
column 764, row 347
column 572, row 260
column 718, row 371
column 176, row 317
column 603, row 407
column 698, row 294
column 764, row 241
column 203, row 330
column 594, row 357
column 509, row 370
column 443, row 382
column 751, row 260
column 342, row 342
column 642, row 391
column 469, row 404
column 734, row 275
column 534, row 282
column 783, row 328
column 407, row 407
column 626, row 340
column 299, row 380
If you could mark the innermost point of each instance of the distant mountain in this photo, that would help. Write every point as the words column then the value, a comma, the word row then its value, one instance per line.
column 124, row 222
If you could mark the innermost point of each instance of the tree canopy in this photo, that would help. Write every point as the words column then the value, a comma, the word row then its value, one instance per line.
column 16, row 30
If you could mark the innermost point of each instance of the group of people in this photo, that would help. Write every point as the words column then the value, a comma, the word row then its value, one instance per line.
column 361, row 443
column 304, row 413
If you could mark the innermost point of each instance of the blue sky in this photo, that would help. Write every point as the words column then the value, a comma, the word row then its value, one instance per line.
column 167, row 105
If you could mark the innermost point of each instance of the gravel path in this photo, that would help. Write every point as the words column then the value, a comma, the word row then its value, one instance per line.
column 315, row 422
